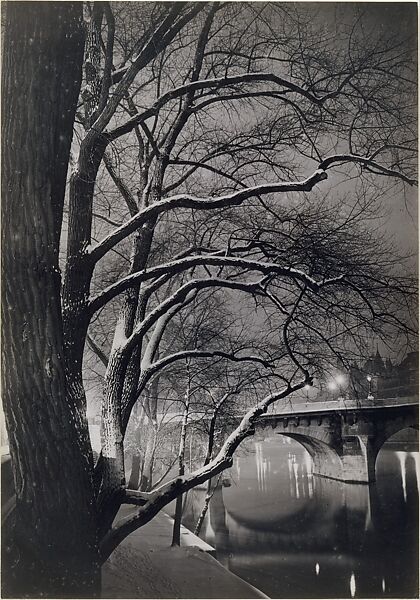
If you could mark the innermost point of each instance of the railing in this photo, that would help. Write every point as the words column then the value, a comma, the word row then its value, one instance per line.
column 344, row 404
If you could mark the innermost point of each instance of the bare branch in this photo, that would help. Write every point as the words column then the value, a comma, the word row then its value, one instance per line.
column 367, row 162
column 168, row 360
column 178, row 266
column 97, row 350
column 185, row 201
column 217, row 83
column 152, row 502
column 180, row 296
column 160, row 38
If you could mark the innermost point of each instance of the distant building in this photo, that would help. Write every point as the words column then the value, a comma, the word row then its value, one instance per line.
column 376, row 377
column 387, row 380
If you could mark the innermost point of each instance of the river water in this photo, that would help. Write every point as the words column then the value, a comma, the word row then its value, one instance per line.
column 293, row 535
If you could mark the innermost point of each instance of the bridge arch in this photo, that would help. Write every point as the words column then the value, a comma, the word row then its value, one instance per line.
column 326, row 461
column 391, row 432
column 392, row 429
column 344, row 441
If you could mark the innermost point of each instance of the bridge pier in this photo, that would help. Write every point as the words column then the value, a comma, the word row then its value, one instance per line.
column 358, row 459
column 353, row 462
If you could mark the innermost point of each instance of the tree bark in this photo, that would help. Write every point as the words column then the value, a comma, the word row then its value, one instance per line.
column 176, row 534
column 149, row 457
column 211, row 486
column 134, row 480
column 54, row 548
column 210, row 490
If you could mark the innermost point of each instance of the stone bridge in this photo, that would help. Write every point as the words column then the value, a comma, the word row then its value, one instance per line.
column 343, row 442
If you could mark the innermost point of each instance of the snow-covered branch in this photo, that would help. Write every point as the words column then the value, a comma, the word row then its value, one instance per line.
column 151, row 503
column 177, row 266
column 184, row 354
column 236, row 198
column 368, row 163
column 179, row 297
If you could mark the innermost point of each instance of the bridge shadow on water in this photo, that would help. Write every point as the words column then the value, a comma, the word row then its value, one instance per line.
column 296, row 535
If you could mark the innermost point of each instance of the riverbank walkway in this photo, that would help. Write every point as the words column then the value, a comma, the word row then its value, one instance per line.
column 145, row 566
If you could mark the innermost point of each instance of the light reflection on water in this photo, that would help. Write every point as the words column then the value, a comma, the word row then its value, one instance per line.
column 352, row 585
column 273, row 521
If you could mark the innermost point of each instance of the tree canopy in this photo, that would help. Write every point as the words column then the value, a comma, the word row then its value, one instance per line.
column 232, row 156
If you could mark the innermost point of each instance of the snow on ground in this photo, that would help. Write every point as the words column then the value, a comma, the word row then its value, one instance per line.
column 145, row 566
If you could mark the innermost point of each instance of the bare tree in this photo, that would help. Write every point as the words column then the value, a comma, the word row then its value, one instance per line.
column 202, row 133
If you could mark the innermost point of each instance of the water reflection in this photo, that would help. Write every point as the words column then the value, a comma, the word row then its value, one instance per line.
column 352, row 585
column 297, row 536
column 402, row 458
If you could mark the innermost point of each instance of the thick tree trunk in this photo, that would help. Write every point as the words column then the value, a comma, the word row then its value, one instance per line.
column 113, row 470
column 120, row 391
column 55, row 543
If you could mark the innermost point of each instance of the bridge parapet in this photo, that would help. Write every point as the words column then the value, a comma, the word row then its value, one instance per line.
column 344, row 404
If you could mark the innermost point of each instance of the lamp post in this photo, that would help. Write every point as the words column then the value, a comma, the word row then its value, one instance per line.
column 307, row 388
column 341, row 380
column 332, row 386
column 370, row 395
column 338, row 383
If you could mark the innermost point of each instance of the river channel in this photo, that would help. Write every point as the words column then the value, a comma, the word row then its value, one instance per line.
column 295, row 535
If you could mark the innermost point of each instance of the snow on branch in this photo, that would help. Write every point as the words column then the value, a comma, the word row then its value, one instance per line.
column 159, row 330
column 217, row 83
column 160, row 38
column 176, row 266
column 152, row 502
column 180, row 296
column 367, row 162
column 236, row 198
column 171, row 358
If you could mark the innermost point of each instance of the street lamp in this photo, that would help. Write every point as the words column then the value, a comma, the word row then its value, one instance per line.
column 340, row 379
column 338, row 383
column 370, row 395
column 332, row 385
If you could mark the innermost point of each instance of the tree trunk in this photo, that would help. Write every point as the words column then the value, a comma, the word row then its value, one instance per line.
column 210, row 491
column 54, row 548
column 209, row 495
column 176, row 535
column 151, row 435
column 134, row 480
column 149, row 457
column 112, row 446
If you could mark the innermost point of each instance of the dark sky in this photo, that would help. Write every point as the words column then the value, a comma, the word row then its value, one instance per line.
column 391, row 18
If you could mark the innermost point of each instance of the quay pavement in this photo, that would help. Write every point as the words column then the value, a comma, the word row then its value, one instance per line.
column 145, row 566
